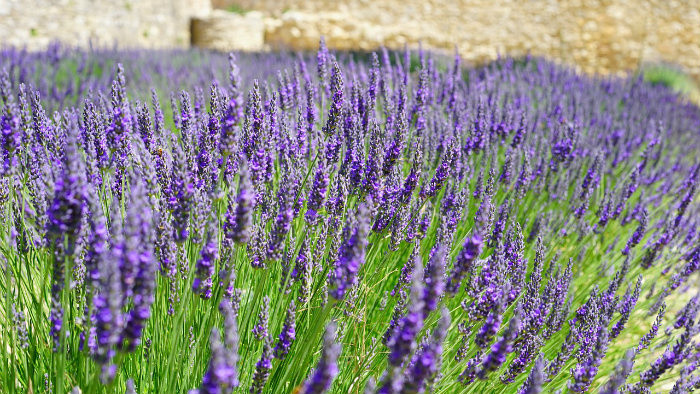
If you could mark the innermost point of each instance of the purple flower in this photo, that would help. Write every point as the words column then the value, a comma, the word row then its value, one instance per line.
column 262, row 369
column 65, row 217
column 637, row 235
column 625, row 308
column 351, row 255
column 204, row 269
column 283, row 221
column 441, row 173
column 471, row 249
column 260, row 328
column 317, row 193
column 394, row 148
column 219, row 374
column 239, row 220
column 492, row 322
column 287, row 335
column 402, row 340
column 526, row 351
column 119, row 131
column 425, row 364
column 434, row 279
column 534, row 382
column 671, row 357
column 181, row 196
column 139, row 229
column 327, row 368
column 107, row 301
column 233, row 113
column 687, row 314
column 322, row 59
column 10, row 135
column 586, row 370
column 97, row 240
column 165, row 246
column 413, row 176
column 336, row 101
column 469, row 373
column 500, row 349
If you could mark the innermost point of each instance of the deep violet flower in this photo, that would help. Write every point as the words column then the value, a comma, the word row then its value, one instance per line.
column 327, row 368
column 344, row 181
column 65, row 217
column 288, row 334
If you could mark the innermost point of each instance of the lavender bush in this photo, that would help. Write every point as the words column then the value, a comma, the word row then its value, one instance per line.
column 183, row 221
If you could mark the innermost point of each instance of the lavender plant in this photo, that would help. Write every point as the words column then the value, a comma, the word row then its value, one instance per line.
column 331, row 222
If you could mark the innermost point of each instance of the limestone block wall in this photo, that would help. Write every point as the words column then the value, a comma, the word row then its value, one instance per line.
column 596, row 35
column 130, row 23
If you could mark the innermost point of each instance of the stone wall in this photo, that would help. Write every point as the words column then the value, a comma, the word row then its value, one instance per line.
column 129, row 23
column 595, row 35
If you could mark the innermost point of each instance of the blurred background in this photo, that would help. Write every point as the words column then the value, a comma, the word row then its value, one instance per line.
column 661, row 37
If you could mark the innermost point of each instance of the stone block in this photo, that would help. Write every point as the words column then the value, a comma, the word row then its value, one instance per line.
column 227, row 31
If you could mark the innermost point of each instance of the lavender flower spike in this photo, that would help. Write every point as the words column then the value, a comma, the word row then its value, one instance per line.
column 533, row 383
column 327, row 367
column 65, row 216
column 471, row 249
column 426, row 363
column 239, row 222
column 204, row 271
column 500, row 349
column 219, row 373
column 287, row 335
column 262, row 369
column 584, row 373
column 260, row 329
column 139, row 229
column 402, row 341
column 352, row 254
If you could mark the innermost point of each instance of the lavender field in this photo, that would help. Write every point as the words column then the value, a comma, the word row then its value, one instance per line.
column 192, row 222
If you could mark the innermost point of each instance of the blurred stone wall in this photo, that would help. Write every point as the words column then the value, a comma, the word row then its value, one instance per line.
column 128, row 23
column 595, row 35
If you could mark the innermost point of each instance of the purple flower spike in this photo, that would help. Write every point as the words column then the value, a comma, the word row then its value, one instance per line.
column 534, row 382
column 65, row 217
column 425, row 364
column 434, row 279
column 317, row 193
column 219, row 374
column 181, row 196
column 260, row 329
column 584, row 373
column 336, row 101
column 327, row 367
column 238, row 224
column 204, row 271
column 287, row 335
column 262, row 369
column 139, row 230
column 351, row 255
column 500, row 349
column 441, row 173
column 402, row 341
column 471, row 249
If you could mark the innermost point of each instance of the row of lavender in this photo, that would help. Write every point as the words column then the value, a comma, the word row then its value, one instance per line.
column 339, row 226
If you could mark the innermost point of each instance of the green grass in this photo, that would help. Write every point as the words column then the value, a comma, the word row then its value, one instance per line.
column 673, row 78
column 237, row 9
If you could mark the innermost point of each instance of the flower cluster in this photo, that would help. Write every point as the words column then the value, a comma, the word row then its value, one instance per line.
column 320, row 223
